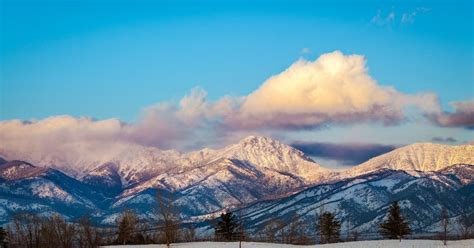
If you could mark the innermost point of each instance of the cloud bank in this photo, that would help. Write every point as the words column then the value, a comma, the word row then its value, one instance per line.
column 346, row 153
column 444, row 140
column 463, row 116
column 334, row 89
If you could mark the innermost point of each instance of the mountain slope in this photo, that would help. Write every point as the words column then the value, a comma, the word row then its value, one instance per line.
column 364, row 201
column 419, row 156
column 201, row 182
column 25, row 187
column 15, row 170
column 257, row 170
column 135, row 163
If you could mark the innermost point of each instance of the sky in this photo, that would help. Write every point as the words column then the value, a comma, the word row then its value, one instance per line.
column 322, row 75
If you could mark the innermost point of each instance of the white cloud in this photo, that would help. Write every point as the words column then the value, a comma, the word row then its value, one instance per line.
column 383, row 19
column 390, row 18
column 463, row 115
column 409, row 17
column 333, row 89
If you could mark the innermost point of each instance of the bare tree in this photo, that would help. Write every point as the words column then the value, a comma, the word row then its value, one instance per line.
column 3, row 238
column 145, row 237
column 189, row 233
column 444, row 225
column 24, row 231
column 302, row 237
column 57, row 232
column 349, row 227
column 89, row 236
column 465, row 223
column 318, row 219
column 271, row 230
column 240, row 232
column 293, row 229
column 352, row 233
column 168, row 213
column 127, row 223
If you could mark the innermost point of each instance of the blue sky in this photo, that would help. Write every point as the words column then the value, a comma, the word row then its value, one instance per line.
column 69, row 57
column 111, row 59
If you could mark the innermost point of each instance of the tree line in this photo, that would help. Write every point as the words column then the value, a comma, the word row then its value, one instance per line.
column 31, row 231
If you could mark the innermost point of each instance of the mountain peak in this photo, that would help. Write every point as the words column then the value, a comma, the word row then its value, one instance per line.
column 419, row 157
column 253, row 139
column 263, row 144
column 269, row 154
column 16, row 169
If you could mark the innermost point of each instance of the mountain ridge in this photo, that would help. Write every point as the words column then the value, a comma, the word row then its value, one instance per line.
column 134, row 160
column 417, row 156
column 209, row 180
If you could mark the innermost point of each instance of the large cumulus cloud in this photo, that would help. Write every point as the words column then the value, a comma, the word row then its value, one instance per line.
column 333, row 89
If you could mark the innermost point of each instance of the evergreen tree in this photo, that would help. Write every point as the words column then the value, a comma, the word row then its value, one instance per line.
column 395, row 227
column 227, row 227
column 329, row 227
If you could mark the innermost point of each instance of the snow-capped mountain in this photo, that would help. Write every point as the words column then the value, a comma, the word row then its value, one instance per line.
column 203, row 181
column 79, row 159
column 248, row 175
column 135, row 163
column 15, row 170
column 419, row 157
column 255, row 157
column 25, row 187
column 361, row 202
column 255, row 168
column 275, row 156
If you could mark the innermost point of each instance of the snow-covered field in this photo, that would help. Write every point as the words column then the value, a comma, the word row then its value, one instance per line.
column 359, row 244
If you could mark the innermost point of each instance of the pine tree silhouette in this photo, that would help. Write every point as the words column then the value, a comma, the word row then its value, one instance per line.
column 329, row 228
column 395, row 227
column 227, row 226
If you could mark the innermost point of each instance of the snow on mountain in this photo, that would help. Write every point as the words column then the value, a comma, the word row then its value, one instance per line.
column 462, row 171
column 202, row 181
column 256, row 170
column 15, row 170
column 275, row 156
column 78, row 159
column 210, row 180
column 363, row 201
column 417, row 157
column 136, row 168
column 105, row 176
column 150, row 166
column 25, row 187
column 135, row 163
column 254, row 157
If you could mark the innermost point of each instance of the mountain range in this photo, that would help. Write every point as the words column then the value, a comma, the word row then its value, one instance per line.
column 260, row 178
